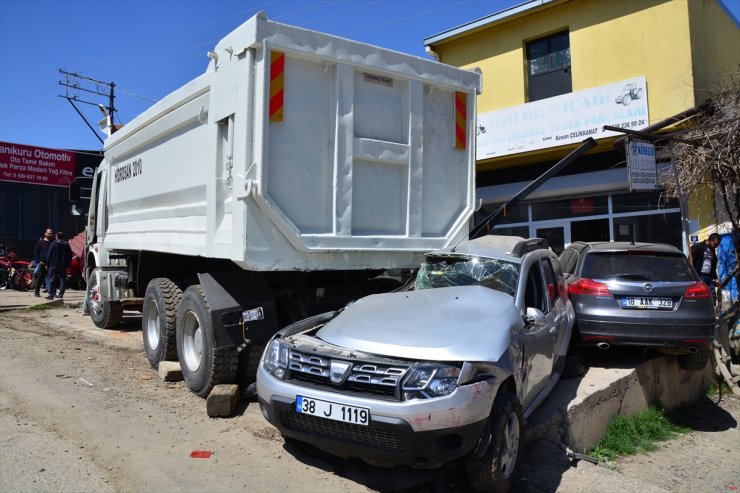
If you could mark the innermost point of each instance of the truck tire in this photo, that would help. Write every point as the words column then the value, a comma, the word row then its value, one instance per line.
column 159, row 319
column 104, row 314
column 249, row 361
column 496, row 470
column 202, row 365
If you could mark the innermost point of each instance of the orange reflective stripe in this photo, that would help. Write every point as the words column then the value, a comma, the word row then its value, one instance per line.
column 277, row 85
column 461, row 120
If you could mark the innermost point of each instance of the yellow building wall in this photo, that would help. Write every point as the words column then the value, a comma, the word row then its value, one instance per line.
column 682, row 47
column 610, row 40
column 715, row 42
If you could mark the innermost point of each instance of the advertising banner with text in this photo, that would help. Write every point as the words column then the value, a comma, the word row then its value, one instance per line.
column 641, row 167
column 37, row 165
column 565, row 119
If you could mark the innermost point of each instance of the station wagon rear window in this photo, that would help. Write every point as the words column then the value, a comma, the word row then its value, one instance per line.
column 446, row 271
column 631, row 266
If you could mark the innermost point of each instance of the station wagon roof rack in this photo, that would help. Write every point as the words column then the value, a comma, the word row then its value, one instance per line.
column 529, row 245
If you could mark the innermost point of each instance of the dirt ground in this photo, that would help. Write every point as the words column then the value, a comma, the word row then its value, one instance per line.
column 82, row 410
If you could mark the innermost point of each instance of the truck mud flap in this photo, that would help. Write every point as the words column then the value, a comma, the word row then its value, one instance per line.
column 228, row 295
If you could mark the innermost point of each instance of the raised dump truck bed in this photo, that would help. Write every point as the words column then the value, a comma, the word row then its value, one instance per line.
column 282, row 179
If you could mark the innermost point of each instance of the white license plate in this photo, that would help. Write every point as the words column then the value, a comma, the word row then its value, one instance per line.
column 332, row 410
column 647, row 303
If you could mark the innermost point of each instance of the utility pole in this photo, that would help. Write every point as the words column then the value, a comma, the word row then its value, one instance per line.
column 75, row 84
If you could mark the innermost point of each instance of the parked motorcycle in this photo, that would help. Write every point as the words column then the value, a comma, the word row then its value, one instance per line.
column 75, row 276
column 15, row 273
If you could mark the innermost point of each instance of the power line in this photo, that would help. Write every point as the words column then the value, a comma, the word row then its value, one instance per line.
column 56, row 108
column 28, row 94
column 401, row 19
column 362, row 6
column 304, row 10
column 136, row 95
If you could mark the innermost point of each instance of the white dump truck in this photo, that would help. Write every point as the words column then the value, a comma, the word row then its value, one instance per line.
column 276, row 185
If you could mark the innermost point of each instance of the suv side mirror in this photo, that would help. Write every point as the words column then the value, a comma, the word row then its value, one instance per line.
column 535, row 317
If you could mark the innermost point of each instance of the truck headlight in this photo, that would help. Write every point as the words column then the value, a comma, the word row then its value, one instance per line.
column 429, row 381
column 275, row 360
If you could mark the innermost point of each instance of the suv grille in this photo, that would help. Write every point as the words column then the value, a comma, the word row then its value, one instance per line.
column 364, row 435
column 376, row 379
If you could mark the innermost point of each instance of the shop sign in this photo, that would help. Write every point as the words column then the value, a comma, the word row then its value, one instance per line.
column 641, row 168
column 565, row 119
column 37, row 165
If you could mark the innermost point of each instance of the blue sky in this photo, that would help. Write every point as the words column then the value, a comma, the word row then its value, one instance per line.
column 151, row 47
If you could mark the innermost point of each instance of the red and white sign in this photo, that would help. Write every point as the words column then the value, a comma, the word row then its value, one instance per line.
column 37, row 165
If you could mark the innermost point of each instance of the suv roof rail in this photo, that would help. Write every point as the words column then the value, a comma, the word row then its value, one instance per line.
column 529, row 245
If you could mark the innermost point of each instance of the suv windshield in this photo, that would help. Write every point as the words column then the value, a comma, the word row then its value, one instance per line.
column 439, row 272
column 636, row 267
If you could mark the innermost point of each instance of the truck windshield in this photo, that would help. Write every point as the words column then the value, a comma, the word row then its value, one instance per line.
column 440, row 272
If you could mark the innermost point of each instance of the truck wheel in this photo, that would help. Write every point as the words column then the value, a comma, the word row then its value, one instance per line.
column 496, row 470
column 158, row 320
column 104, row 314
column 202, row 365
column 694, row 361
column 249, row 361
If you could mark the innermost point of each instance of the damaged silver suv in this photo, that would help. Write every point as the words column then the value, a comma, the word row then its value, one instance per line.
column 447, row 369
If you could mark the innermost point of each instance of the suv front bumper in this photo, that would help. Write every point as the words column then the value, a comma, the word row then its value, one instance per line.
column 420, row 433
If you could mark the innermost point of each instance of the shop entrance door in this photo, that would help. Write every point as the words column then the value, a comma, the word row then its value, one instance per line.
column 556, row 234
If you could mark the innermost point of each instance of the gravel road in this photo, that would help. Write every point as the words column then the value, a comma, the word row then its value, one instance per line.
column 81, row 410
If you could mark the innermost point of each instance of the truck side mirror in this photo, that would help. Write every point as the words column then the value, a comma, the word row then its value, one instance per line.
column 74, row 192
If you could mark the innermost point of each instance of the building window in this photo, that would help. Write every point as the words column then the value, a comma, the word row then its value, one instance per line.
column 548, row 67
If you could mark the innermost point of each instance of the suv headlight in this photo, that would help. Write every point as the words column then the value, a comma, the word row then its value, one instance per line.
column 275, row 360
column 429, row 381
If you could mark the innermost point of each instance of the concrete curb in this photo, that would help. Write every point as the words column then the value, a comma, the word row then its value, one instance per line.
column 579, row 410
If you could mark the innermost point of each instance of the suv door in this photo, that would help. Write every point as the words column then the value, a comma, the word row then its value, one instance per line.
column 538, row 340
column 557, row 316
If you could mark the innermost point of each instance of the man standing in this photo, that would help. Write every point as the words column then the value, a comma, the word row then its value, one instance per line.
column 704, row 258
column 39, row 259
column 58, row 258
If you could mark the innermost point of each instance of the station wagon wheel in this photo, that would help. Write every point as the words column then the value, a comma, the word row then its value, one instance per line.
column 496, row 470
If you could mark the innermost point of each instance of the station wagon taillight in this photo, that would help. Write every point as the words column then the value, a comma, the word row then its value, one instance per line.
column 589, row 287
column 697, row 291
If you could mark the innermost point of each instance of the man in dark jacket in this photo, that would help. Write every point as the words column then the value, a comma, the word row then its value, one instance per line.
column 39, row 259
column 58, row 259
column 704, row 260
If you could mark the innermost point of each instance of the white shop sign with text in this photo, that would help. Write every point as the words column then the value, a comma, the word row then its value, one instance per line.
column 641, row 164
column 565, row 119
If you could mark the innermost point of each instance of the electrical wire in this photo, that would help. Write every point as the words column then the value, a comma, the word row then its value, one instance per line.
column 305, row 10
column 56, row 108
column 401, row 19
column 29, row 93
column 127, row 93
column 362, row 6
column 180, row 34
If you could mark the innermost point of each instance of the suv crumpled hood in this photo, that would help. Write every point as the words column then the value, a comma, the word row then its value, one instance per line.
column 460, row 323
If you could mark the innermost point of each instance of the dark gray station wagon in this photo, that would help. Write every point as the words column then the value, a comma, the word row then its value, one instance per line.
column 639, row 294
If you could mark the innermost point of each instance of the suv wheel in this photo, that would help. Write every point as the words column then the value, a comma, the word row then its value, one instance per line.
column 496, row 470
